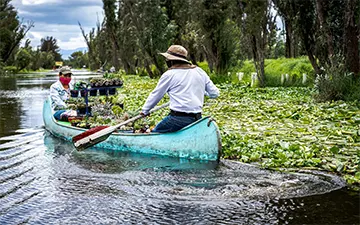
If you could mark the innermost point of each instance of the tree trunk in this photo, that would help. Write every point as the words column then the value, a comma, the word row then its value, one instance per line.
column 289, row 40
column 193, row 58
column 258, row 59
column 126, row 67
column 323, row 25
column 115, row 58
column 295, row 47
column 351, row 45
column 148, row 69
column 209, row 58
column 157, row 65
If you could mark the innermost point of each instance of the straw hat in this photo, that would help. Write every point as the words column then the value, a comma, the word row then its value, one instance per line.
column 65, row 70
column 176, row 52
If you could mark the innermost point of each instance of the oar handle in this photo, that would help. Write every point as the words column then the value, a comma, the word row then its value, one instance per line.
column 102, row 134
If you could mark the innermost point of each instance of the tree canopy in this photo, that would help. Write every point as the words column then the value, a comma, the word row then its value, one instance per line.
column 223, row 33
column 12, row 31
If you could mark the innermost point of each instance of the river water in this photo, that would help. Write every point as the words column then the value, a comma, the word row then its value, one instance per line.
column 43, row 180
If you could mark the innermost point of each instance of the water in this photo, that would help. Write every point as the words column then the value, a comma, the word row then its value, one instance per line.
column 43, row 180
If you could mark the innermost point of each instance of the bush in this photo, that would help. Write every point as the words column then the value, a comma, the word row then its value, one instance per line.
column 10, row 69
column 219, row 79
column 204, row 66
column 337, row 84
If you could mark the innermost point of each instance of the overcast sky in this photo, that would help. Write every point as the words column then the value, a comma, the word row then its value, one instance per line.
column 59, row 18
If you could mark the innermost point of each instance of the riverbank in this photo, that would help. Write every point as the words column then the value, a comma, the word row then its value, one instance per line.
column 276, row 128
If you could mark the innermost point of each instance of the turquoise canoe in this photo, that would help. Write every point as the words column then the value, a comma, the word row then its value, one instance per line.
column 200, row 140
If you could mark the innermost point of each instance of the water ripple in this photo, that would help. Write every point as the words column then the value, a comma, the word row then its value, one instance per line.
column 25, row 140
column 45, row 181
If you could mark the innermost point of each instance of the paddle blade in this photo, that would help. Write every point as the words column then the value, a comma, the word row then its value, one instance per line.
column 88, row 133
column 90, row 143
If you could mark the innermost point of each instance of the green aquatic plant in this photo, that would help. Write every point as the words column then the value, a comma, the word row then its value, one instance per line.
column 276, row 128
column 285, row 128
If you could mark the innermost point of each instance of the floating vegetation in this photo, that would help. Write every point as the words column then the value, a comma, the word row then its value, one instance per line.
column 285, row 128
column 272, row 127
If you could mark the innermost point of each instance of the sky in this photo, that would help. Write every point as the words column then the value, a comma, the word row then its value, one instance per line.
column 59, row 18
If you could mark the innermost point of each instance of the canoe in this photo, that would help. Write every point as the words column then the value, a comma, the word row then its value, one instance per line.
column 200, row 140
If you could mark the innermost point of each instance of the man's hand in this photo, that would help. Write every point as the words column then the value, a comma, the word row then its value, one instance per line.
column 144, row 115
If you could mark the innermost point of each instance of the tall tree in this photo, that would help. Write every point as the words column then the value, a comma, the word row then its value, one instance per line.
column 184, row 14
column 287, row 10
column 97, row 44
column 128, row 42
column 153, row 30
column 12, row 31
column 219, row 32
column 352, row 36
column 329, row 31
column 255, row 17
column 49, row 44
column 77, row 59
column 111, row 27
column 23, row 56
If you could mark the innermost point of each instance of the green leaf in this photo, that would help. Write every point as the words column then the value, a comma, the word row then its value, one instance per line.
column 334, row 149
column 357, row 175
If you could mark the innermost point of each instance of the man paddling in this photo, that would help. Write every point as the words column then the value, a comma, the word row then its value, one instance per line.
column 186, row 86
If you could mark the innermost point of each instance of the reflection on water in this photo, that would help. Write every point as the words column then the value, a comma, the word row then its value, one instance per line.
column 44, row 180
column 10, row 109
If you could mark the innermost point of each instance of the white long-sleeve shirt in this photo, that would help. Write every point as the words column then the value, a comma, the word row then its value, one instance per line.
column 59, row 95
column 186, row 89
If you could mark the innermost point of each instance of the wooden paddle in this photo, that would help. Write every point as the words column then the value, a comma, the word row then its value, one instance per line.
column 101, row 133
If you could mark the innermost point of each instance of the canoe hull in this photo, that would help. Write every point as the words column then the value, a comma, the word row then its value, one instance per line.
column 200, row 140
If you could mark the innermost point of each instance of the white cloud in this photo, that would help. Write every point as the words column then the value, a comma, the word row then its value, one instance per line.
column 37, row 2
column 34, row 37
column 27, row 13
column 59, row 19
column 89, row 14
column 68, row 36
column 73, row 43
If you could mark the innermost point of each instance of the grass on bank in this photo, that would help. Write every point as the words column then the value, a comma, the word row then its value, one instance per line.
column 274, row 69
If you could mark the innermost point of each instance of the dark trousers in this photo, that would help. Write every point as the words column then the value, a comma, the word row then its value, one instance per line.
column 174, row 123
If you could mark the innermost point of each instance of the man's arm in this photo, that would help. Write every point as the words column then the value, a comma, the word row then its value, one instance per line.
column 210, row 89
column 56, row 101
column 157, row 94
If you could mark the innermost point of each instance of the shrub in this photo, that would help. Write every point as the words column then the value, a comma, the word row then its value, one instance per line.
column 10, row 69
column 219, row 79
column 337, row 84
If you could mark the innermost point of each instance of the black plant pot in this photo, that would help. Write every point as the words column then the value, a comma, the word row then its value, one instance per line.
column 103, row 91
column 112, row 91
column 93, row 92
column 82, row 111
column 74, row 93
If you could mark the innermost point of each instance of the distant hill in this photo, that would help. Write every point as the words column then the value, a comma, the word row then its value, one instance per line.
column 66, row 53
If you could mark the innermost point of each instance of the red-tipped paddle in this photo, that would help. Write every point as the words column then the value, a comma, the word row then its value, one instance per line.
column 101, row 133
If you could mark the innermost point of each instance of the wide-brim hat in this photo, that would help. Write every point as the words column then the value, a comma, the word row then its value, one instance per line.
column 65, row 70
column 176, row 52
